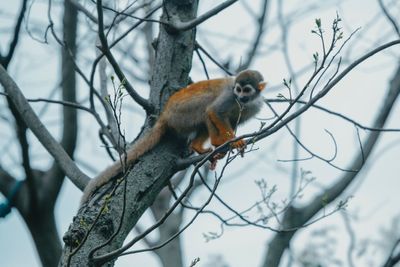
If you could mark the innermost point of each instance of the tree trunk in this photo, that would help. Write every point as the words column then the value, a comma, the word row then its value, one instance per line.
column 171, row 254
column 149, row 175
column 44, row 233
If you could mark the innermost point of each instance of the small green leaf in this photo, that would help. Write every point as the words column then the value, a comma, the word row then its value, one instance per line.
column 325, row 199
column 318, row 23
column 316, row 56
column 281, row 96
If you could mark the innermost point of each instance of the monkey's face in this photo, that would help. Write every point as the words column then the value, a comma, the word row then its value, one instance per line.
column 245, row 93
column 248, row 85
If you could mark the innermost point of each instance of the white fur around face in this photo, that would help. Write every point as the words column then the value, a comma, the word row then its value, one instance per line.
column 252, row 108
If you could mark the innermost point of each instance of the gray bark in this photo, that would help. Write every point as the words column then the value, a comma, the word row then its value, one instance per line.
column 150, row 174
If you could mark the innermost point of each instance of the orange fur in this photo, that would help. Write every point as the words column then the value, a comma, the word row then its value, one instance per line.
column 208, row 109
column 222, row 131
column 198, row 143
column 197, row 90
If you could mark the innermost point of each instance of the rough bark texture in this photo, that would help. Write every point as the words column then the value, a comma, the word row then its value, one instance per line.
column 152, row 171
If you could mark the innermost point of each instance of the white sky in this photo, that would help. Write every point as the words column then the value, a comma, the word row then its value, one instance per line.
column 375, row 196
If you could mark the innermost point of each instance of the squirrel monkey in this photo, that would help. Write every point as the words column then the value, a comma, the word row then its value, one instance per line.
column 206, row 109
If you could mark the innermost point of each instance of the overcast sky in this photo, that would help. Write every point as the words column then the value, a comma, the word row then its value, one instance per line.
column 375, row 197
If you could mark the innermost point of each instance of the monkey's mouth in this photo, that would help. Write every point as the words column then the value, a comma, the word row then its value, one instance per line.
column 244, row 99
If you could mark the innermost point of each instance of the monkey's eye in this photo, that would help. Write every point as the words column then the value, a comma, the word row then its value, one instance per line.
column 238, row 89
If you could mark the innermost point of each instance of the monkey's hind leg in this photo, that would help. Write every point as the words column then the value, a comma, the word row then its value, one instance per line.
column 198, row 142
column 221, row 131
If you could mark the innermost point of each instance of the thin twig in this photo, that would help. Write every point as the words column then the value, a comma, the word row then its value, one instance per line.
column 389, row 17
column 107, row 52
column 188, row 25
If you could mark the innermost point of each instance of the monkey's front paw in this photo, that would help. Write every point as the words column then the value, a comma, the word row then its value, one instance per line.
column 239, row 144
column 215, row 159
column 218, row 156
column 213, row 164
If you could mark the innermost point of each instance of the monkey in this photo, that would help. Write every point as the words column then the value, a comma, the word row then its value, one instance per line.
column 206, row 109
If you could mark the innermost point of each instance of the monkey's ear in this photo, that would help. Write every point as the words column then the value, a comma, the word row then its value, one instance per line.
column 261, row 85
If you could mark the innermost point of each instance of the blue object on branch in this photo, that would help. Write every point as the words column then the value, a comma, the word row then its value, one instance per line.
column 5, row 207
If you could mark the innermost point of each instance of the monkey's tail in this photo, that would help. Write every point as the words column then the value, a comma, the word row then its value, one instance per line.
column 144, row 144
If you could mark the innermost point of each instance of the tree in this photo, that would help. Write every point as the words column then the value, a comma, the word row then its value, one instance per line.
column 100, row 228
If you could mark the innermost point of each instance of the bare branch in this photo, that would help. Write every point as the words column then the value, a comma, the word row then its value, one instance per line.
column 299, row 216
column 337, row 114
column 19, row 124
column 389, row 17
column 198, row 46
column 33, row 122
column 78, row 70
column 257, row 40
column 296, row 138
column 284, row 25
column 97, row 60
column 112, row 129
column 134, row 26
column 55, row 177
column 163, row 155
column 188, row 25
column 9, row 187
column 60, row 102
column 393, row 258
column 273, row 128
column 107, row 52
column 6, row 59
column 138, row 229
column 118, row 18
column 350, row 232
column 82, row 9
column 6, row 182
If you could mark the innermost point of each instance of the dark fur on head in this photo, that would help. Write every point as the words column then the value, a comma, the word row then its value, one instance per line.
column 251, row 77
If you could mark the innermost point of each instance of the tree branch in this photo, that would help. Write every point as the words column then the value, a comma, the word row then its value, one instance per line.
column 283, row 121
column 147, row 176
column 107, row 52
column 6, row 59
column 55, row 177
column 337, row 114
column 260, row 31
column 6, row 182
column 393, row 258
column 296, row 217
column 82, row 9
column 389, row 17
column 188, row 25
column 33, row 122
